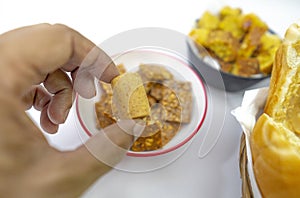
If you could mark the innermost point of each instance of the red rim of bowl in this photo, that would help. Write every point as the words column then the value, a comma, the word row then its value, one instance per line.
column 163, row 151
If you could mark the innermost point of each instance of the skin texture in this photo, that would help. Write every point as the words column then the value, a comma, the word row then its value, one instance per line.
column 42, row 55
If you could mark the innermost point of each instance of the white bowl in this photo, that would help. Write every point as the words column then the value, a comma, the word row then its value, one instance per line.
column 180, row 68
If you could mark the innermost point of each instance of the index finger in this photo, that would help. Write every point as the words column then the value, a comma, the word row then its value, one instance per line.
column 96, row 64
column 42, row 49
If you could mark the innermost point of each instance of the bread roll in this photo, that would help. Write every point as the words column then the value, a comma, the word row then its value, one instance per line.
column 275, row 140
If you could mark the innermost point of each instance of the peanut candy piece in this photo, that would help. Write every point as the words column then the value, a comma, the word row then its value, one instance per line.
column 149, row 140
column 154, row 72
column 121, row 68
column 103, row 110
column 157, row 91
column 148, row 86
column 171, row 105
column 104, row 120
column 183, row 101
column 149, row 143
column 105, row 88
column 168, row 131
column 151, row 100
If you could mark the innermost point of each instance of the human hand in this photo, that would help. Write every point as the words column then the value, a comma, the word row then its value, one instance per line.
column 29, row 167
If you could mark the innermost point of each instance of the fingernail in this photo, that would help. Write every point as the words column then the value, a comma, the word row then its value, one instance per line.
column 109, row 73
column 138, row 130
column 132, row 127
column 66, row 115
column 84, row 85
column 126, row 125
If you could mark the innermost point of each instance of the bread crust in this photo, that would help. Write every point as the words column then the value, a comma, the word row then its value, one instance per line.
column 276, row 159
column 275, row 142
column 276, row 82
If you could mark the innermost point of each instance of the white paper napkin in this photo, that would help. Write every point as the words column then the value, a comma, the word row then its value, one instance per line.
column 247, row 114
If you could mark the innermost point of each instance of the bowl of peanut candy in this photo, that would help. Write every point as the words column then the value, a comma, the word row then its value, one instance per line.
column 175, row 95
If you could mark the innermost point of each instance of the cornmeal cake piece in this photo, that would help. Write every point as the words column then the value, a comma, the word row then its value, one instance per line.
column 129, row 96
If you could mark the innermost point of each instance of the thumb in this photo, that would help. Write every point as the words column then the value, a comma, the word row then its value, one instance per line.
column 111, row 144
column 107, row 148
column 82, row 167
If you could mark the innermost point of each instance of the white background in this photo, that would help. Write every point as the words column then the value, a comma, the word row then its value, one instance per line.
column 216, row 175
column 101, row 19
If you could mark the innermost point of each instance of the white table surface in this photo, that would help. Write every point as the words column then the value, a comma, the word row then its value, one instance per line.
column 214, row 175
